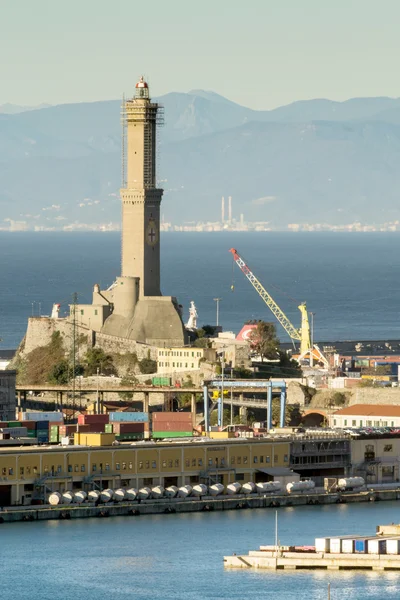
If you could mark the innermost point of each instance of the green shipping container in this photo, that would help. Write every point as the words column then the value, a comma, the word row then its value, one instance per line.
column 161, row 381
column 171, row 434
column 108, row 428
column 14, row 423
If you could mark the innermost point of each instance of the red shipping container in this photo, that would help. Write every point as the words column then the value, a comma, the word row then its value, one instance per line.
column 30, row 425
column 172, row 416
column 128, row 427
column 168, row 426
column 89, row 419
column 66, row 430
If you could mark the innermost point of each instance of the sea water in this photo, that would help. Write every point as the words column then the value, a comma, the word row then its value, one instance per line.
column 180, row 557
column 349, row 280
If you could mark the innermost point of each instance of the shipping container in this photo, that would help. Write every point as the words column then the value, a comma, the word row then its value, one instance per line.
column 44, row 425
column 55, row 416
column 13, row 424
column 161, row 381
column 171, row 416
column 125, row 437
column 108, row 428
column 119, row 428
column 67, row 430
column 168, row 426
column 94, row 439
column 15, row 431
column 30, row 425
column 90, row 419
column 132, row 417
column 171, row 434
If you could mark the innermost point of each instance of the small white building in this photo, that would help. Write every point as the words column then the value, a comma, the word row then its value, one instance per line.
column 366, row 415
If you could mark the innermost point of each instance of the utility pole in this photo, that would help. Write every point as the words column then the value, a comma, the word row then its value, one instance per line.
column 74, row 303
column 222, row 387
column 312, row 340
column 217, row 300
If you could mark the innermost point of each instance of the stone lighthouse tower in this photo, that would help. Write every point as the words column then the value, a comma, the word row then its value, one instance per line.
column 141, row 198
column 133, row 306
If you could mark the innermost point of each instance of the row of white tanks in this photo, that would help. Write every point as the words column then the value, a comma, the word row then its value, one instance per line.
column 145, row 493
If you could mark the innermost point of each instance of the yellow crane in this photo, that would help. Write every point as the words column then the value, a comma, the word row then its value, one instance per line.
column 301, row 335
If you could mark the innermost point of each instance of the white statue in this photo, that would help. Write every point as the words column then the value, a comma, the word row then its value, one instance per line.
column 192, row 323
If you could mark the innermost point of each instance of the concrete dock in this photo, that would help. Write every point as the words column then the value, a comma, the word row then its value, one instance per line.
column 267, row 559
column 176, row 505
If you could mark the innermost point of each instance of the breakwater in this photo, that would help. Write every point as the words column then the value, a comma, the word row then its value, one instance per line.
column 205, row 504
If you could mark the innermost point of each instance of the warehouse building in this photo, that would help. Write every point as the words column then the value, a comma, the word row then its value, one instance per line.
column 366, row 415
column 30, row 474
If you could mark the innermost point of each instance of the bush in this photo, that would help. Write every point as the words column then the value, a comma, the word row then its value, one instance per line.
column 148, row 366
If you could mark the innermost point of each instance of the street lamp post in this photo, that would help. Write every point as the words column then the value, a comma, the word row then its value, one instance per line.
column 217, row 300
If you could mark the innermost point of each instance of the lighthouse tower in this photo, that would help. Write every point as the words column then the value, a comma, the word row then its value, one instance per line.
column 140, row 196
column 133, row 307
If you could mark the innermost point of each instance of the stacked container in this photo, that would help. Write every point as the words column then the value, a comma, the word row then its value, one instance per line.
column 129, row 431
column 129, row 417
column 172, row 424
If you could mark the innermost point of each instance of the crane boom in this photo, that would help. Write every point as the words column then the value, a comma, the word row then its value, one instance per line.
column 290, row 329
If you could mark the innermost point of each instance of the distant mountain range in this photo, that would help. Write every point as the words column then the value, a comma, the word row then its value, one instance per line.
column 312, row 161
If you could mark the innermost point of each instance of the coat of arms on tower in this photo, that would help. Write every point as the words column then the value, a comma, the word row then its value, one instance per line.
column 151, row 232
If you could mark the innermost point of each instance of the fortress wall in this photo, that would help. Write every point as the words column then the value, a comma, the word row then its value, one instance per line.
column 375, row 396
column 40, row 330
column 119, row 345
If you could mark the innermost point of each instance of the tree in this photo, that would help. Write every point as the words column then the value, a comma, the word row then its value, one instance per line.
column 127, row 380
column 96, row 358
column 264, row 341
column 338, row 398
column 148, row 366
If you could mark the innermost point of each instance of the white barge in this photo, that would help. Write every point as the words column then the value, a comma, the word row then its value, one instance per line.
column 377, row 553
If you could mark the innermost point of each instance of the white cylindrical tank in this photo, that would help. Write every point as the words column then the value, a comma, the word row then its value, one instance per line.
column 300, row 486
column 119, row 495
column 144, row 493
column 93, row 495
column 131, row 494
column 171, row 491
column 67, row 497
column 80, row 497
column 199, row 489
column 233, row 488
column 216, row 489
column 55, row 498
column 184, row 491
column 106, row 495
column 249, row 488
column 268, row 487
column 157, row 491
column 350, row 483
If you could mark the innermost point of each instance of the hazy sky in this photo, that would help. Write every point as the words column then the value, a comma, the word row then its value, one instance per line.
column 260, row 53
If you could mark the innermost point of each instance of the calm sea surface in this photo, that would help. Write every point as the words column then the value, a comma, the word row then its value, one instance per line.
column 350, row 281
column 181, row 556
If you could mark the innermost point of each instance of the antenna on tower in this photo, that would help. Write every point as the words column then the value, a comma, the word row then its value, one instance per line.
column 123, row 141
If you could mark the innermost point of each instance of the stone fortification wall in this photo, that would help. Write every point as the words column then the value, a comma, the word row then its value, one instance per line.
column 118, row 345
column 40, row 330
column 375, row 396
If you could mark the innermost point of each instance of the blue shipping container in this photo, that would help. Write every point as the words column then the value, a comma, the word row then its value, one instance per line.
column 42, row 425
column 130, row 417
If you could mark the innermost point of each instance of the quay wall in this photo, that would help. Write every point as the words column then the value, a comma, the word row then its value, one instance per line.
column 206, row 504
